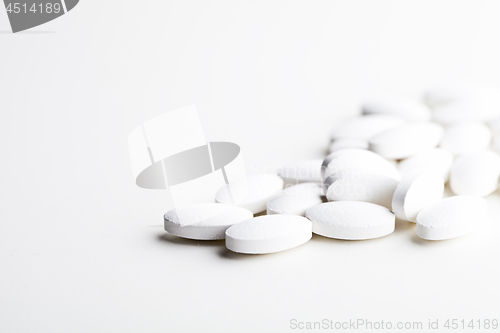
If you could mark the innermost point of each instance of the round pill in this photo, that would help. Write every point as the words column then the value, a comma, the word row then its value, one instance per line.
column 351, row 220
column 344, row 143
column 435, row 160
column 451, row 217
column 292, row 204
column 406, row 140
column 416, row 191
column 475, row 174
column 466, row 137
column 268, row 234
column 397, row 106
column 356, row 185
column 359, row 159
column 364, row 127
column 252, row 192
column 301, row 171
column 204, row 221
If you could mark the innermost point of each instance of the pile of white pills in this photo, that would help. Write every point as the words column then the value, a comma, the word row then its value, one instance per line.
column 391, row 162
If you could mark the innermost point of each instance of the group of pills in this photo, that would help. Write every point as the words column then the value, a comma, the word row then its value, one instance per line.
column 393, row 161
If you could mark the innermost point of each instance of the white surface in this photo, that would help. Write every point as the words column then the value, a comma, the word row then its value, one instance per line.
column 82, row 249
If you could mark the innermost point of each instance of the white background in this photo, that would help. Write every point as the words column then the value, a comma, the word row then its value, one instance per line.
column 82, row 249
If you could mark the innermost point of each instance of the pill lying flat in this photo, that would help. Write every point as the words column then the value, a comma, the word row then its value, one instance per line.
column 466, row 137
column 436, row 160
column 475, row 174
column 356, row 185
column 268, row 234
column 351, row 220
column 303, row 189
column 451, row 217
column 406, row 140
column 292, row 204
column 339, row 144
column 204, row 221
column 301, row 171
column 359, row 159
column 364, row 127
column 416, row 191
column 251, row 193
column 397, row 106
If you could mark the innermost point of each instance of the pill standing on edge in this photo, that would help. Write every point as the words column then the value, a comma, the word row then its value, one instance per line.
column 475, row 173
column 451, row 217
column 417, row 190
column 268, row 234
column 251, row 193
column 204, row 221
column 351, row 220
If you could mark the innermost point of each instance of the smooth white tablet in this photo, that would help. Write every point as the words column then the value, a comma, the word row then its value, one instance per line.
column 475, row 174
column 451, row 217
column 466, row 137
column 344, row 143
column 464, row 111
column 360, row 159
column 406, row 140
column 364, row 127
column 397, row 106
column 252, row 192
column 303, row 189
column 292, row 204
column 268, row 234
column 301, row 171
column 416, row 191
column 435, row 160
column 458, row 92
column 204, row 221
column 351, row 220
column 356, row 185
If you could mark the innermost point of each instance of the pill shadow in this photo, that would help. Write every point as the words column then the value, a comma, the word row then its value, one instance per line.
column 172, row 239
column 403, row 226
column 430, row 243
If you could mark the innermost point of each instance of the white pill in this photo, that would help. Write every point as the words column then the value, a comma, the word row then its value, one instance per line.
column 204, row 221
column 465, row 111
column 451, row 217
column 301, row 171
column 268, row 234
column 475, row 174
column 397, row 106
column 339, row 144
column 364, row 127
column 416, row 191
column 495, row 144
column 303, row 189
column 435, row 160
column 359, row 159
column 458, row 92
column 357, row 185
column 406, row 140
column 251, row 193
column 351, row 220
column 292, row 204
column 466, row 137
column 495, row 126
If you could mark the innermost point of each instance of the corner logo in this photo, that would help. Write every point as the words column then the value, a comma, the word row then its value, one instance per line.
column 26, row 14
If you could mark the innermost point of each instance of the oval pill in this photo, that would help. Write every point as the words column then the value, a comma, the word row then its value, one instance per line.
column 268, row 234
column 466, row 137
column 292, row 204
column 344, row 143
column 351, row 220
column 475, row 174
column 301, row 171
column 204, row 221
column 364, row 127
column 397, row 106
column 436, row 160
column 416, row 191
column 406, row 140
column 451, row 217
